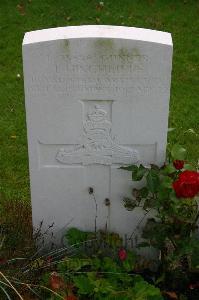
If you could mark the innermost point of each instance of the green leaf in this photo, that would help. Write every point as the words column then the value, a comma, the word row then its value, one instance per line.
column 129, row 262
column 153, row 181
column 163, row 194
column 109, row 265
column 76, row 236
column 129, row 168
column 169, row 169
column 178, row 152
column 166, row 182
column 84, row 285
column 143, row 192
column 96, row 263
column 143, row 290
column 138, row 173
column 103, row 286
column 189, row 167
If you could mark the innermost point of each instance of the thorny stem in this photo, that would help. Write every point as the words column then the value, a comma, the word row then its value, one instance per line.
column 140, row 222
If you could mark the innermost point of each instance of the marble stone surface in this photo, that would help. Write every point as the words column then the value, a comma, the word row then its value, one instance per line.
column 97, row 97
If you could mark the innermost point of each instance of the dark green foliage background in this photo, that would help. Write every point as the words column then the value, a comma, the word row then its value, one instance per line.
column 181, row 18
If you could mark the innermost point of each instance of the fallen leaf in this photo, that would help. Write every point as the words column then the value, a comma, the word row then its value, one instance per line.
column 56, row 282
column 100, row 6
column 172, row 295
column 21, row 9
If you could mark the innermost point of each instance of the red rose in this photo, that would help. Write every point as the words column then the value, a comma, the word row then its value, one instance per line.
column 178, row 164
column 187, row 185
column 122, row 254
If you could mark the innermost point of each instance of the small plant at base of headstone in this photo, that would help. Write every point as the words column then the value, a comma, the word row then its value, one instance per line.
column 100, row 268
column 171, row 191
column 91, row 265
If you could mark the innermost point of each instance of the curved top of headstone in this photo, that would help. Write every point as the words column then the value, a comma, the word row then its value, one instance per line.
column 98, row 31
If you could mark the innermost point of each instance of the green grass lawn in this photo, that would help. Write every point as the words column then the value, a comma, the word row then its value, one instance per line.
column 181, row 18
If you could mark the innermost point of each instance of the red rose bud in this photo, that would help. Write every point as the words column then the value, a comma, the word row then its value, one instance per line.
column 187, row 185
column 122, row 254
column 178, row 164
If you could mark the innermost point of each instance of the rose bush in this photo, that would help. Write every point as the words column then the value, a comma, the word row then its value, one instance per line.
column 171, row 192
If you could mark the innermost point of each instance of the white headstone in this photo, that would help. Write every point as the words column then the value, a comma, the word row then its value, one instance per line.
column 97, row 97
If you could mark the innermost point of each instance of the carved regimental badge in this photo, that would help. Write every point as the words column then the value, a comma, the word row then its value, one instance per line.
column 99, row 146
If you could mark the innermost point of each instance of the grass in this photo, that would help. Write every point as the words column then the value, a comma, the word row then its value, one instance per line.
column 179, row 17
